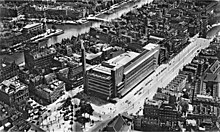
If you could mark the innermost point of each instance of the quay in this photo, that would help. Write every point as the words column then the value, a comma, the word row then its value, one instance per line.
column 40, row 37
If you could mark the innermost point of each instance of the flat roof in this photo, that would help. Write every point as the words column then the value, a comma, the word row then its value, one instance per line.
column 76, row 55
column 204, row 96
column 155, row 37
column 102, row 69
column 150, row 46
column 48, row 90
column 152, row 102
column 191, row 67
column 131, row 67
column 90, row 56
column 215, row 66
column 108, row 48
column 31, row 25
column 122, row 59
column 180, row 76
column 211, row 77
column 39, row 54
column 6, row 85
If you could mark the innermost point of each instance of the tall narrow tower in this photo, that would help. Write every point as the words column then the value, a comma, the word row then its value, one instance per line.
column 45, row 17
column 45, row 20
column 83, row 52
column 146, row 27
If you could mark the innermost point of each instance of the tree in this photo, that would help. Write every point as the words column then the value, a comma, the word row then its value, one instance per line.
column 10, row 26
column 67, row 102
column 20, row 25
column 83, row 109
column 78, row 113
column 186, row 95
column 69, row 18
column 61, row 17
column 75, row 106
column 52, row 17
column 71, row 123
column 92, row 121
column 82, row 120
column 40, row 16
column 54, row 27
column 57, row 18
column 89, row 110
column 184, row 105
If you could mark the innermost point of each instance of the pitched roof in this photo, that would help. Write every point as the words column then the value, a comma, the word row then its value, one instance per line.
column 212, row 77
column 117, row 124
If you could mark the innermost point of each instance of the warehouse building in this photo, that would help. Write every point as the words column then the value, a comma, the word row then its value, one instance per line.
column 119, row 75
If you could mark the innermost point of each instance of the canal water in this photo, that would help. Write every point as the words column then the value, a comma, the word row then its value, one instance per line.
column 70, row 30
column 74, row 30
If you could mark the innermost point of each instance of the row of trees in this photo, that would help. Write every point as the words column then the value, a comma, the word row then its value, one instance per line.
column 7, row 12
column 84, row 106
column 14, row 39
column 53, row 17
column 74, row 43
column 31, row 12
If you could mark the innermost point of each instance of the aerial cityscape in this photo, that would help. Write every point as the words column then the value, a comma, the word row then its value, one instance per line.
column 109, row 65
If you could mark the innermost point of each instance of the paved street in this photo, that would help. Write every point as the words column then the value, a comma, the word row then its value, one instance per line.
column 156, row 80
column 163, row 79
column 108, row 48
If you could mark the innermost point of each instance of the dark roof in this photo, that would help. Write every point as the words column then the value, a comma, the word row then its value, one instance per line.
column 207, row 120
column 160, row 96
column 75, row 71
column 64, row 71
column 125, row 115
column 117, row 124
column 211, row 77
column 174, row 11
column 36, row 128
